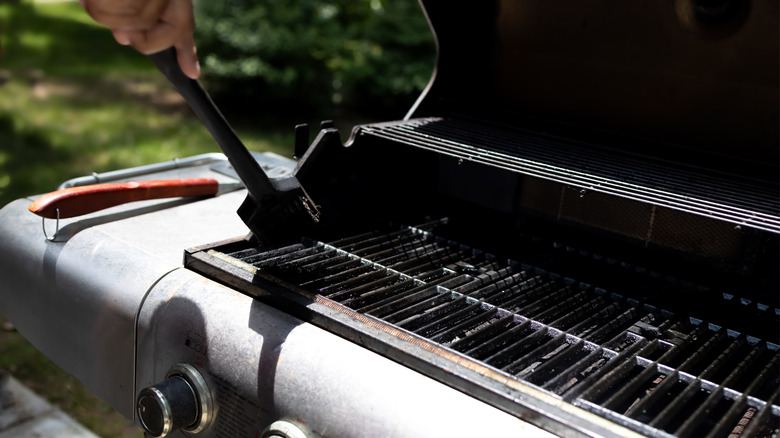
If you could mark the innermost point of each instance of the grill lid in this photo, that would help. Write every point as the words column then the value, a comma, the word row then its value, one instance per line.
column 685, row 80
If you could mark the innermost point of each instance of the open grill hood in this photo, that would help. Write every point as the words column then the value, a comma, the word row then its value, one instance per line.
column 576, row 223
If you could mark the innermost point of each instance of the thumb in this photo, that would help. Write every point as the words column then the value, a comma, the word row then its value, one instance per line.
column 187, row 55
column 122, row 36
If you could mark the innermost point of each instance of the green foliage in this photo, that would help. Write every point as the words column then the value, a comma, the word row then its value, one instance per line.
column 316, row 55
column 73, row 101
column 60, row 39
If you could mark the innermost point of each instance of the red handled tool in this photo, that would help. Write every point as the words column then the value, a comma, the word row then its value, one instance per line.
column 76, row 201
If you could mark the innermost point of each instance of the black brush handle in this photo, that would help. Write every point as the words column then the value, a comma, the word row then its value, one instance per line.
column 250, row 172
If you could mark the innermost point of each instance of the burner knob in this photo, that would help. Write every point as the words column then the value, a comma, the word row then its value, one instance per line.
column 181, row 401
column 283, row 429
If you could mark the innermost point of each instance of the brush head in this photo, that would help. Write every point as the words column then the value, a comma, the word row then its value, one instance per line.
column 282, row 216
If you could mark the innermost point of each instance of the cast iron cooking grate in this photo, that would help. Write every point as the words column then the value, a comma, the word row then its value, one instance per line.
column 596, row 346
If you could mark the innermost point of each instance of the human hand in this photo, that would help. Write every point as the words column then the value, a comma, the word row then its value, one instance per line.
column 151, row 26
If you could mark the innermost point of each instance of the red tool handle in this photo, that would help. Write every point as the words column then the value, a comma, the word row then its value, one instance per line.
column 75, row 201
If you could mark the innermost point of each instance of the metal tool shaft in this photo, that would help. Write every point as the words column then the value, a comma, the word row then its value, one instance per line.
column 256, row 181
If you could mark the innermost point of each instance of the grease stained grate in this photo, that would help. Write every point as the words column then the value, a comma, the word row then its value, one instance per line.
column 536, row 320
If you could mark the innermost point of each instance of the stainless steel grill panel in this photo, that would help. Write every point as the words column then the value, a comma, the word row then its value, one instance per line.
column 656, row 371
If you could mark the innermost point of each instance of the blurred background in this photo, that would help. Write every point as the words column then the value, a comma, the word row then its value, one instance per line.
column 73, row 102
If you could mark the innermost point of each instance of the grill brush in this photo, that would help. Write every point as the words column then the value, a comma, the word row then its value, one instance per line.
column 275, row 210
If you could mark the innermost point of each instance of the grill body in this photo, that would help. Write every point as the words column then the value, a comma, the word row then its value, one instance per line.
column 122, row 320
column 524, row 338
column 569, row 234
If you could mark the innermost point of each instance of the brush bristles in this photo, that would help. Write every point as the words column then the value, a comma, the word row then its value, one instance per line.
column 277, row 221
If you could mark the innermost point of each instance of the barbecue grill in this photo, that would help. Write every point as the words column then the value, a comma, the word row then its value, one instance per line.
column 585, row 243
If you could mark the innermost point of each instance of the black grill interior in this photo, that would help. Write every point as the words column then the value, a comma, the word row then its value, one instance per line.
column 651, row 351
column 637, row 290
column 592, row 166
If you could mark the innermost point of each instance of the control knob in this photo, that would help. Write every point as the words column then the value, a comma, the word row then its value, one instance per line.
column 181, row 401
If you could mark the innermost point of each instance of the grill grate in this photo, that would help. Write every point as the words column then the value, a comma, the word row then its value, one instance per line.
column 650, row 369
column 740, row 201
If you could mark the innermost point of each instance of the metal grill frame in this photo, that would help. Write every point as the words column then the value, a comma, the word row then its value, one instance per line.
column 451, row 368
column 566, row 416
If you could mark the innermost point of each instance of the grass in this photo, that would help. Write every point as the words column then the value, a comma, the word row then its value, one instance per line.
column 75, row 102
column 62, row 128
column 72, row 102
column 44, row 377
column 61, row 39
